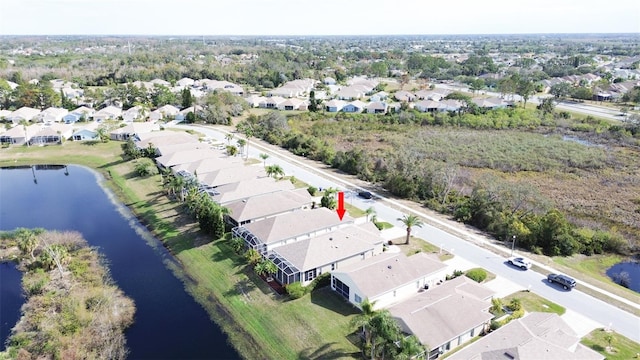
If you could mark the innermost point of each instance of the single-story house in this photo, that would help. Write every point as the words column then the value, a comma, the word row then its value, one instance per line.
column 447, row 315
column 231, row 175
column 535, row 336
column 273, row 102
column 185, row 157
column 388, row 278
column 292, row 104
column 160, row 139
column 134, row 114
column 306, row 259
column 334, row 105
column 264, row 206
column 268, row 234
column 85, row 134
column 329, row 81
column 403, row 95
column 491, row 103
column 350, row 93
column 52, row 114
column 427, row 106
column 81, row 113
column 51, row 134
column 124, row 133
column 377, row 108
column 182, row 115
column 248, row 188
column 25, row 113
column 356, row 106
column 108, row 113
column 256, row 101
column 19, row 134
column 209, row 164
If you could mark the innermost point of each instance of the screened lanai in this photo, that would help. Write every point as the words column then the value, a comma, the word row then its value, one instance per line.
column 250, row 240
column 287, row 273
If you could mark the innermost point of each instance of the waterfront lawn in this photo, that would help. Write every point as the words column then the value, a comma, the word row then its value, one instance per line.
column 276, row 327
column 93, row 154
column 622, row 348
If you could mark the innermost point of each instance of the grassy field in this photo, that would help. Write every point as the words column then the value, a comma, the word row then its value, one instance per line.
column 532, row 302
column 621, row 348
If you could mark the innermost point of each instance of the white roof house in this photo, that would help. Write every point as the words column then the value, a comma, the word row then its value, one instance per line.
column 268, row 234
column 388, row 278
column 264, row 206
column 306, row 259
column 52, row 114
column 447, row 315
column 108, row 113
column 248, row 188
column 535, row 336
column 23, row 114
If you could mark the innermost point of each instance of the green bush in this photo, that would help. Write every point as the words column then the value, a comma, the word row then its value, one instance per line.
column 495, row 325
column 296, row 290
column 312, row 190
column 477, row 275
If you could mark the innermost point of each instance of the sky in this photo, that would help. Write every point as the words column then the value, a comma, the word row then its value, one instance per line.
column 316, row 17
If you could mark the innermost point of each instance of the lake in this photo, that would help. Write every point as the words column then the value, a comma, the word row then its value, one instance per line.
column 169, row 324
column 632, row 271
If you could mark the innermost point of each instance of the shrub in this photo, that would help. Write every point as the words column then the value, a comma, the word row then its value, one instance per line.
column 295, row 290
column 321, row 280
column 477, row 275
column 312, row 190
column 495, row 325
column 514, row 305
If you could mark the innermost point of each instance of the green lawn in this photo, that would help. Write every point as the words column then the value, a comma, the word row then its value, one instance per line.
column 535, row 303
column 266, row 324
column 622, row 348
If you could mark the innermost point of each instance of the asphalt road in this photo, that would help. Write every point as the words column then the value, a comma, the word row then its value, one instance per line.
column 587, row 109
column 621, row 321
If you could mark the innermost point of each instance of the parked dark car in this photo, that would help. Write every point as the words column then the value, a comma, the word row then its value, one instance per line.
column 566, row 282
column 365, row 194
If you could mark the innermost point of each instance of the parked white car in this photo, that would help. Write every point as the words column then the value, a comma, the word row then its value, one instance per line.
column 522, row 263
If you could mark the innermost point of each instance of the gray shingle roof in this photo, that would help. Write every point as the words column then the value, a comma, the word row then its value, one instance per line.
column 331, row 247
column 248, row 188
column 385, row 272
column 445, row 311
column 533, row 337
column 297, row 223
column 269, row 204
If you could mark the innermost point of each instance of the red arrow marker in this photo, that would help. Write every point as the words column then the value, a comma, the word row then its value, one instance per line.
column 341, row 209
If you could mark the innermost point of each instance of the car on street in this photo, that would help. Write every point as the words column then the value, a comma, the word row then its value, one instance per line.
column 522, row 263
column 365, row 194
column 566, row 282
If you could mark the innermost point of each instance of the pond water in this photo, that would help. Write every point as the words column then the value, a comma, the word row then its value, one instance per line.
column 631, row 269
column 169, row 324
column 11, row 299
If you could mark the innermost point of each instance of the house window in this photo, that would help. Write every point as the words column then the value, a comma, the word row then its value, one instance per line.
column 472, row 333
column 333, row 266
column 394, row 293
column 310, row 275
column 340, row 288
column 357, row 298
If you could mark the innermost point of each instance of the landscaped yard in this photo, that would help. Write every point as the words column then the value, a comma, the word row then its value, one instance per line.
column 620, row 348
column 534, row 303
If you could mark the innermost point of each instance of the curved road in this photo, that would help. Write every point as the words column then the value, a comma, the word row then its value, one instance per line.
column 591, row 308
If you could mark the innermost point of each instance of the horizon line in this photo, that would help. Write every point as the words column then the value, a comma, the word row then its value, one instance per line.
column 333, row 35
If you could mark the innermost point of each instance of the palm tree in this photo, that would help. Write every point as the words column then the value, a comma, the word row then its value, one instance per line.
column 232, row 150
column 275, row 171
column 369, row 212
column 229, row 137
column 384, row 334
column 364, row 319
column 266, row 268
column 241, row 143
column 264, row 158
column 253, row 256
column 237, row 244
column 410, row 221
column 27, row 241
